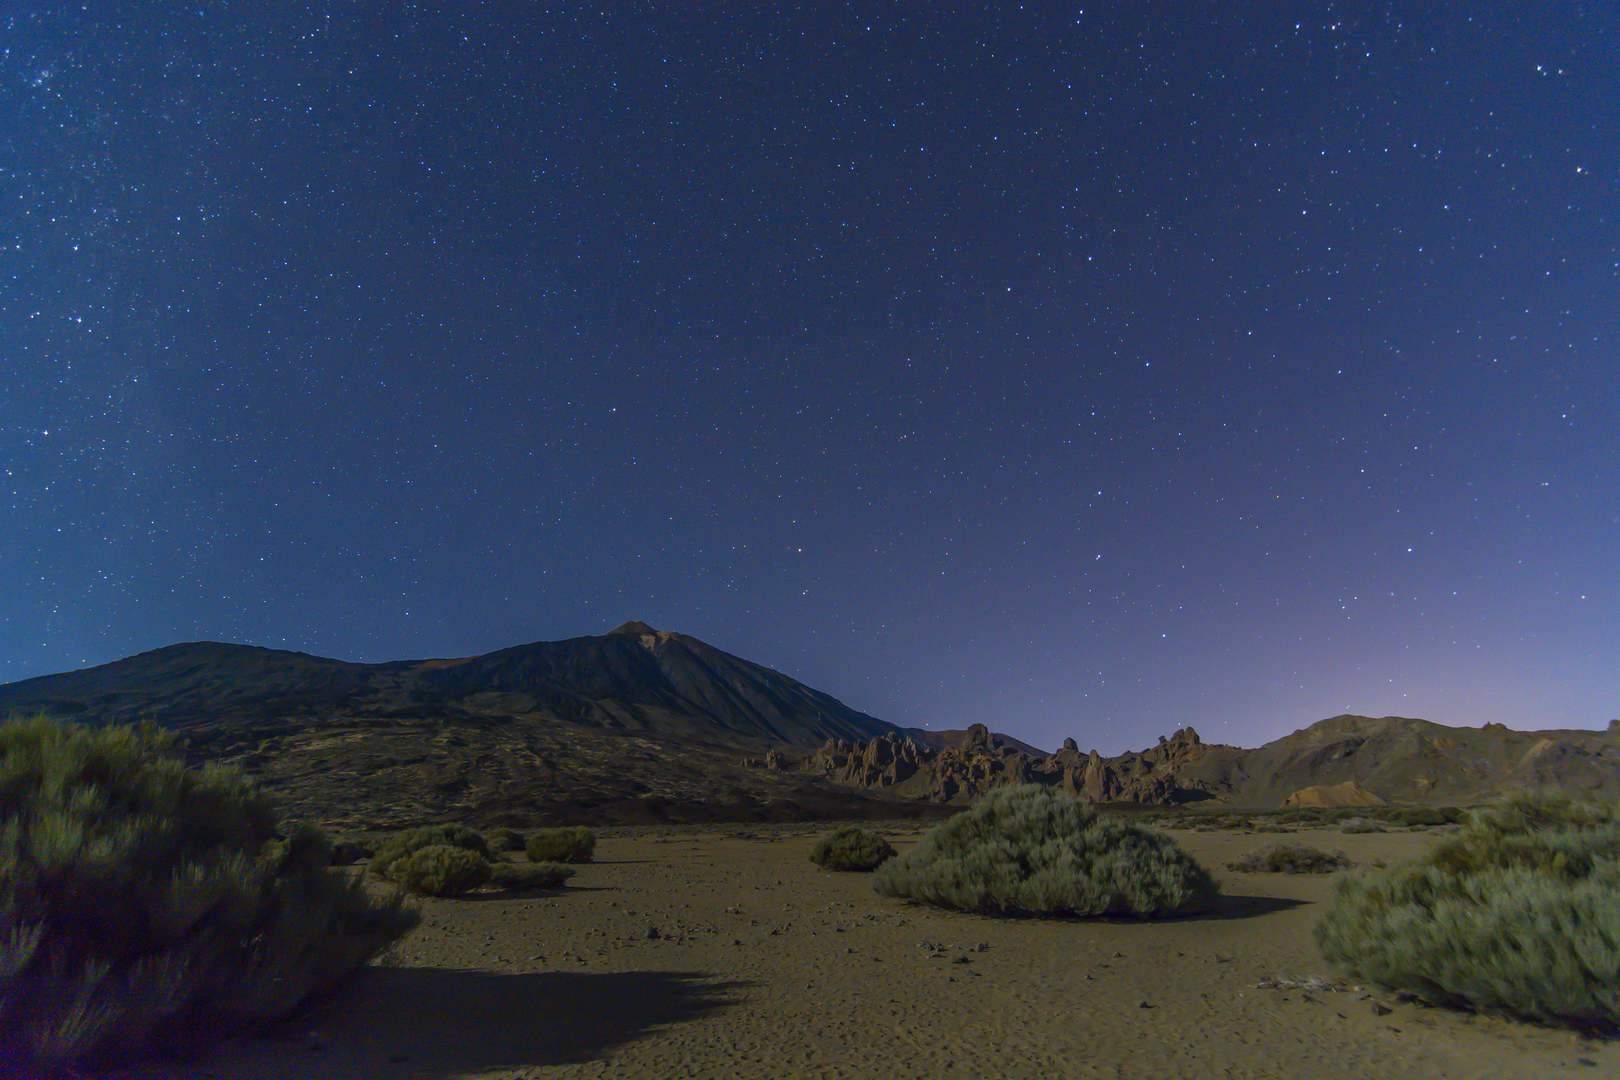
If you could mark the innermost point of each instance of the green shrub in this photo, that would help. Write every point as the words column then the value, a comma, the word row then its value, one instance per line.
column 441, row 870
column 851, row 849
column 506, row 840
column 1517, row 913
column 575, row 845
column 146, row 907
column 349, row 852
column 1290, row 859
column 541, row 875
column 1421, row 817
column 1034, row 851
column 403, row 844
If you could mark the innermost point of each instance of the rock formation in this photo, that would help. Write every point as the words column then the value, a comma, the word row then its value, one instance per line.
column 982, row 761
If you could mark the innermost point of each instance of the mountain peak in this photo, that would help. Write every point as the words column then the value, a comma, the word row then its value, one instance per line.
column 634, row 627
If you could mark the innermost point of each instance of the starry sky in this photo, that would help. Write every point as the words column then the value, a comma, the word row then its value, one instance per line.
column 1079, row 369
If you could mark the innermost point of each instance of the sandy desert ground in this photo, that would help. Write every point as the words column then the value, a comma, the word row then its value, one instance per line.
column 724, row 952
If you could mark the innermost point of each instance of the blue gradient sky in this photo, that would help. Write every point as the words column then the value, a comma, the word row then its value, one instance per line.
column 1080, row 373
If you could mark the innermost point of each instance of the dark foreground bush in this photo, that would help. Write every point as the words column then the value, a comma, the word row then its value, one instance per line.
column 145, row 907
column 1517, row 913
column 541, row 875
column 1290, row 859
column 440, row 870
column 1033, row 851
column 402, row 845
column 851, row 849
column 575, row 845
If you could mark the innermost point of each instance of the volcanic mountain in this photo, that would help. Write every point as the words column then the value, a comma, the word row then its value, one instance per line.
column 636, row 724
column 642, row 725
column 632, row 679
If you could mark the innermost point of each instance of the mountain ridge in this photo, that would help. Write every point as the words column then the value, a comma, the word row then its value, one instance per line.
column 633, row 677
column 1391, row 759
column 643, row 724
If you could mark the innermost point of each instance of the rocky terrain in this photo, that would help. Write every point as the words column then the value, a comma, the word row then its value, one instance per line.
column 1342, row 761
column 722, row 951
column 644, row 726
column 633, row 726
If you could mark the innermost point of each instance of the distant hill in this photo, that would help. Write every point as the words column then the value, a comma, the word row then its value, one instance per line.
column 1402, row 759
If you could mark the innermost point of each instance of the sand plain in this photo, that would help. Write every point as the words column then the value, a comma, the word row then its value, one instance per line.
column 722, row 951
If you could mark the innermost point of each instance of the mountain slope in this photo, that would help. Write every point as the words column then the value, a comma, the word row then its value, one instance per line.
column 638, row 678
column 634, row 678
column 645, row 725
column 633, row 725
column 1402, row 759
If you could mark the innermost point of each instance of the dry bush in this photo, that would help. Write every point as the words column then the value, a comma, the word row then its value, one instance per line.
column 851, row 849
column 1290, row 859
column 570, row 845
column 147, row 907
column 1517, row 913
column 440, row 870
column 506, row 840
column 402, row 845
column 541, row 875
column 1033, row 851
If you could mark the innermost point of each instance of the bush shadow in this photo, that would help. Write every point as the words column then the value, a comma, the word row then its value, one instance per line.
column 443, row 1022
column 1228, row 906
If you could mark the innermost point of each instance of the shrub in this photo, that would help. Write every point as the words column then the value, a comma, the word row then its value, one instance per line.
column 1422, row 817
column 403, row 844
column 145, row 907
column 441, row 870
column 1290, row 859
column 1518, row 913
column 542, row 875
column 349, row 852
column 506, row 840
column 574, row 845
column 851, row 849
column 1034, row 851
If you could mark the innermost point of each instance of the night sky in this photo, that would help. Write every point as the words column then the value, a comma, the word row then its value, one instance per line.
column 1077, row 370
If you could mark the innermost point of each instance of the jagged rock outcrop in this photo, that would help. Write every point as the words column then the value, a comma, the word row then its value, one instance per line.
column 982, row 761
column 979, row 763
column 1341, row 761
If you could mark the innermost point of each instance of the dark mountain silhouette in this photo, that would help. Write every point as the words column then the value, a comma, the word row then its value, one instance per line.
column 641, row 724
column 632, row 679
column 634, row 725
